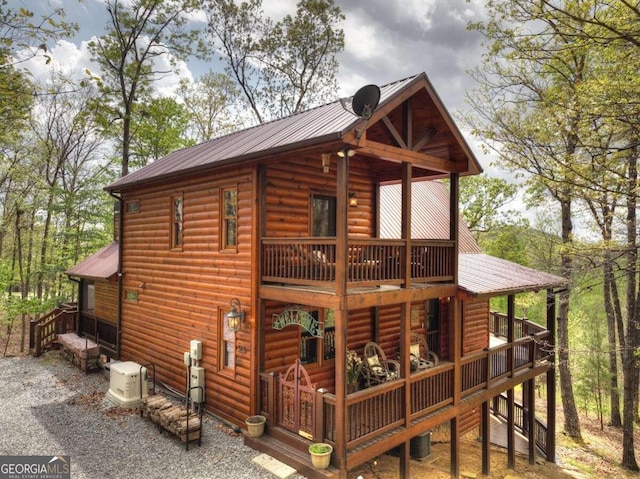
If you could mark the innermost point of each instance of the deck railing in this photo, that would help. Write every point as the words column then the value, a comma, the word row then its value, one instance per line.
column 312, row 261
column 44, row 331
column 520, row 420
column 499, row 326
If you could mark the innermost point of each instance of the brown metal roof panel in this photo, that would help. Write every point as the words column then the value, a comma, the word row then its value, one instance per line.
column 429, row 215
column 103, row 264
column 481, row 274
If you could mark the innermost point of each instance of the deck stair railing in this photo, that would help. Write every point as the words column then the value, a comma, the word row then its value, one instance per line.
column 499, row 407
column 44, row 331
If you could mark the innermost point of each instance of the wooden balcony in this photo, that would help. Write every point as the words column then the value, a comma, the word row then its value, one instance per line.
column 371, row 262
column 375, row 417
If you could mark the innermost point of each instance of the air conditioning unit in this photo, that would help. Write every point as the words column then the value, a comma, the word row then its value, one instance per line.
column 124, row 384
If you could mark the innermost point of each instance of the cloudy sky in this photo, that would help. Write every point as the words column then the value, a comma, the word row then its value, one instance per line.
column 386, row 40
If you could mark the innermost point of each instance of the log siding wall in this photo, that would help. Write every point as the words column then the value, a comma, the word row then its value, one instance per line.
column 182, row 294
column 106, row 300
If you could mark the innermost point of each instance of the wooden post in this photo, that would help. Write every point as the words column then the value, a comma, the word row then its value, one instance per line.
column 405, row 460
column 531, row 419
column 319, row 424
column 455, row 447
column 486, row 439
column 511, row 434
column 406, row 223
column 551, row 379
column 454, row 196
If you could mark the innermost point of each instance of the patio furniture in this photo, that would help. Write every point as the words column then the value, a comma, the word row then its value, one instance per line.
column 378, row 369
column 421, row 355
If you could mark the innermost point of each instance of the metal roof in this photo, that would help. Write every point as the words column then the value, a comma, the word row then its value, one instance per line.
column 330, row 122
column 324, row 123
column 102, row 264
column 429, row 215
column 483, row 275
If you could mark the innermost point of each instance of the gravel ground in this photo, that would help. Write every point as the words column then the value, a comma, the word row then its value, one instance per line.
column 48, row 407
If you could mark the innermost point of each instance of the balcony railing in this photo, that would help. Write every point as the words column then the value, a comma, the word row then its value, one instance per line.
column 373, row 412
column 312, row 261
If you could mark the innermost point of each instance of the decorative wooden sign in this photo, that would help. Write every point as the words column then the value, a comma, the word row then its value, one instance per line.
column 298, row 317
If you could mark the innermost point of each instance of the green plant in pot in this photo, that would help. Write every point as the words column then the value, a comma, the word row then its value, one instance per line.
column 255, row 425
column 320, row 455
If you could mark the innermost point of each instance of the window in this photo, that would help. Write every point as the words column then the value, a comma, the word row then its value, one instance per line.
column 176, row 222
column 133, row 206
column 323, row 215
column 229, row 227
column 89, row 295
column 227, row 347
column 310, row 346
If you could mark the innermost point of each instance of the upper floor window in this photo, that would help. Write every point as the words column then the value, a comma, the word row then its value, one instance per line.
column 323, row 215
column 229, row 227
column 176, row 222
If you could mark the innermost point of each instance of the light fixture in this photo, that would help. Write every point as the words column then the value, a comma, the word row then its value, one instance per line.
column 326, row 161
column 348, row 151
column 353, row 199
column 235, row 317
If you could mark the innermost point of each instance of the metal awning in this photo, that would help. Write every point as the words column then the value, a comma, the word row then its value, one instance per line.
column 103, row 264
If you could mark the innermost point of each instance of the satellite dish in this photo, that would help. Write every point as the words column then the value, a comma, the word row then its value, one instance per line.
column 365, row 101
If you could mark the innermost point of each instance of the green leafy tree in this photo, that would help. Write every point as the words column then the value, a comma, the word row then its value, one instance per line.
column 161, row 127
column 284, row 67
column 141, row 35
column 210, row 102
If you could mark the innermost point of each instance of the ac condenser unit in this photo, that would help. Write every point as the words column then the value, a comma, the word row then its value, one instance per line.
column 124, row 384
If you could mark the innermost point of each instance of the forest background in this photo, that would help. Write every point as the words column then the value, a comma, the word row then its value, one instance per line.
column 555, row 104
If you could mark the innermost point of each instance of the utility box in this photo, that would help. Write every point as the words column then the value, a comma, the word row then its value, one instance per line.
column 125, row 384
column 421, row 446
column 197, row 379
column 196, row 349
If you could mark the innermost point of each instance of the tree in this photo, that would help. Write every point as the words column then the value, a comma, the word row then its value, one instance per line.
column 210, row 102
column 141, row 34
column 526, row 106
column 160, row 129
column 280, row 68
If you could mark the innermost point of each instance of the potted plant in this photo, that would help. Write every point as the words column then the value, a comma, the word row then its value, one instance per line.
column 320, row 454
column 255, row 425
column 354, row 368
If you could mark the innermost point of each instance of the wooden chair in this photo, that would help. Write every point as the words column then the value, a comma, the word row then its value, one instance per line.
column 420, row 352
column 377, row 368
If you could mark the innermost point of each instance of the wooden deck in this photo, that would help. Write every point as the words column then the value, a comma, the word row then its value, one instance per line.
column 499, row 436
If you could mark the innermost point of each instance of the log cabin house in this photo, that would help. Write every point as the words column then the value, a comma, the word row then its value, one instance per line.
column 309, row 230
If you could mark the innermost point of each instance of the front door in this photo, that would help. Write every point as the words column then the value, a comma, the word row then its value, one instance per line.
column 296, row 401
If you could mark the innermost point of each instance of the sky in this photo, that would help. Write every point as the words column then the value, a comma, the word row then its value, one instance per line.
column 385, row 41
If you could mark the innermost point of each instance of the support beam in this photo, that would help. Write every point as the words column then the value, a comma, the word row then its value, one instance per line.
column 511, row 433
column 455, row 447
column 531, row 418
column 406, row 223
column 551, row 379
column 486, row 439
column 405, row 460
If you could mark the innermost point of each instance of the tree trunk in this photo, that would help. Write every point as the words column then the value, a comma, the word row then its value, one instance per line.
column 630, row 365
column 571, row 420
column 614, row 393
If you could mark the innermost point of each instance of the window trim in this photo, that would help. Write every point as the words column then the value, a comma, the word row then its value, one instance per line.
column 173, row 243
column 224, row 247
column 226, row 336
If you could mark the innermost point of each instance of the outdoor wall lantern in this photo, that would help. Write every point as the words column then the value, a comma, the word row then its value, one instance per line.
column 235, row 317
column 353, row 198
column 326, row 161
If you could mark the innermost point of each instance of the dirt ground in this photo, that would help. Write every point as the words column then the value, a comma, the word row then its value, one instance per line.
column 597, row 457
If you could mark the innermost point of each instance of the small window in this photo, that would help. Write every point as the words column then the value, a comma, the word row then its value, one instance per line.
column 314, row 349
column 229, row 227
column 131, row 295
column 176, row 222
column 133, row 206
column 227, row 347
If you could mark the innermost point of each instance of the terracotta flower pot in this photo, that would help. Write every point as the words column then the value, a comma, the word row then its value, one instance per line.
column 320, row 455
column 255, row 425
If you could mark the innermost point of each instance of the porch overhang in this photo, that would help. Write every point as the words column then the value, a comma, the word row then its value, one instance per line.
column 482, row 275
column 103, row 264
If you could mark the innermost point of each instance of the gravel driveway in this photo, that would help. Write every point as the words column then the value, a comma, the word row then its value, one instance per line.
column 48, row 407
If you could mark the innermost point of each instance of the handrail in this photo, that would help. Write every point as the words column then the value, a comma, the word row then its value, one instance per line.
column 499, row 408
column 44, row 331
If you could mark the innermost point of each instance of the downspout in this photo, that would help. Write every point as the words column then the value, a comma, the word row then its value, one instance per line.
column 119, row 272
